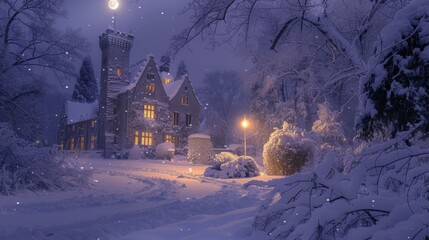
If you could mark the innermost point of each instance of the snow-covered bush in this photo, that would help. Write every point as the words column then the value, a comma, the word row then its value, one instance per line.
column 328, row 135
column 222, row 158
column 25, row 166
column 385, row 196
column 163, row 150
column 287, row 151
column 148, row 152
column 328, row 127
column 135, row 153
column 240, row 167
column 182, row 151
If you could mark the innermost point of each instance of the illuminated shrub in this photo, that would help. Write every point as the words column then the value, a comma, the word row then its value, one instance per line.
column 287, row 151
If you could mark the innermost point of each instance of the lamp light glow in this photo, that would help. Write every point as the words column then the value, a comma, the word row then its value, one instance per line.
column 244, row 123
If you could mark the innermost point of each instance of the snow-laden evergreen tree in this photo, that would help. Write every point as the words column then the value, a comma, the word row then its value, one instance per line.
column 182, row 70
column 395, row 94
column 85, row 89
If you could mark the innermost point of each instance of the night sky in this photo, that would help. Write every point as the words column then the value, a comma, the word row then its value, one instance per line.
column 153, row 22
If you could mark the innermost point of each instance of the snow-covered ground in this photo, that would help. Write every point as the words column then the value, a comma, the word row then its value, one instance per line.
column 136, row 199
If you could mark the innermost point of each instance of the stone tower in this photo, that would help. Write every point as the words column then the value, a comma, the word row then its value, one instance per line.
column 115, row 57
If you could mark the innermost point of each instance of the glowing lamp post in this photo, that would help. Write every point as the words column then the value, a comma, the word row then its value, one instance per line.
column 244, row 125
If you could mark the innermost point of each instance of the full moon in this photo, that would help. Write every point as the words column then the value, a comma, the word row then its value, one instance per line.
column 113, row 4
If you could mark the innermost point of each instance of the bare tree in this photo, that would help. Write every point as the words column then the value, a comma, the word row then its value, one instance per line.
column 32, row 50
column 221, row 94
column 304, row 51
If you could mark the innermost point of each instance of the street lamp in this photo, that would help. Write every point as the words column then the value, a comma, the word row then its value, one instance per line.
column 244, row 124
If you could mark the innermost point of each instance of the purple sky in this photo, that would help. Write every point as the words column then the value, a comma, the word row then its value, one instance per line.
column 153, row 22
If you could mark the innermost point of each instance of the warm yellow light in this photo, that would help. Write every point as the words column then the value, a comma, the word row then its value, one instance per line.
column 113, row 4
column 244, row 123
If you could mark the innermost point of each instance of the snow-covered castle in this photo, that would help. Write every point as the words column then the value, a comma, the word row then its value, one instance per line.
column 146, row 110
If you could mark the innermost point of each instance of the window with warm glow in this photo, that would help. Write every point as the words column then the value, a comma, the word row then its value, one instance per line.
column 185, row 100
column 71, row 143
column 62, row 145
column 149, row 111
column 118, row 72
column 166, row 80
column 136, row 138
column 175, row 118
column 168, row 138
column 188, row 120
column 93, row 123
column 92, row 142
column 82, row 143
column 147, row 138
column 150, row 88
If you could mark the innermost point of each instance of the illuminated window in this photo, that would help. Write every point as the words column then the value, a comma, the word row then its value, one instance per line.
column 147, row 138
column 62, row 145
column 118, row 72
column 71, row 143
column 175, row 118
column 82, row 143
column 92, row 142
column 150, row 88
column 150, row 76
column 185, row 100
column 136, row 138
column 166, row 80
column 188, row 120
column 93, row 123
column 168, row 138
column 149, row 111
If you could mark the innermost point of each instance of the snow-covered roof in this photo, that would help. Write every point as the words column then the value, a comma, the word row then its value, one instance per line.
column 79, row 112
column 172, row 88
column 166, row 75
column 199, row 135
column 119, row 32
column 134, row 81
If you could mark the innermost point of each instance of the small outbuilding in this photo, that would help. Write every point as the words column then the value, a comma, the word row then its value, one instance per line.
column 200, row 148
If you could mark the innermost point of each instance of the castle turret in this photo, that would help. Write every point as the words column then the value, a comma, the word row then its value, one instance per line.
column 115, row 57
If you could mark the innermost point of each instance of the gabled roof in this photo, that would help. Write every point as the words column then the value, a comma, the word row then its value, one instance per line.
column 135, row 80
column 79, row 112
column 173, row 87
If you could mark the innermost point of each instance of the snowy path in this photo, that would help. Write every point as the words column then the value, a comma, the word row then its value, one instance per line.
column 126, row 197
